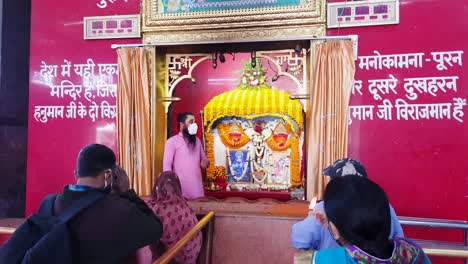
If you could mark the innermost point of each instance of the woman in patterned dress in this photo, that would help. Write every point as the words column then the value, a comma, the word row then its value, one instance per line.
column 177, row 217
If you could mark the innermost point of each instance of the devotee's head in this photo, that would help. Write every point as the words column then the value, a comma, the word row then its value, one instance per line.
column 167, row 185
column 187, row 126
column 344, row 167
column 95, row 162
column 359, row 214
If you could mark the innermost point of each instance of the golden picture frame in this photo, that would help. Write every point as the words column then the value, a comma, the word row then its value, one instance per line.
column 216, row 21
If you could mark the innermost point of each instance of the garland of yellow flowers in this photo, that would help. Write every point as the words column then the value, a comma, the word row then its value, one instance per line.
column 223, row 131
column 210, row 155
column 218, row 173
column 251, row 103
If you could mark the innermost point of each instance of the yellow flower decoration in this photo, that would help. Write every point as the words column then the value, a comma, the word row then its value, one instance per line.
column 218, row 173
column 210, row 153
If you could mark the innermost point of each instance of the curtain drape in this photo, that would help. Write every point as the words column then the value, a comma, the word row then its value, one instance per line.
column 133, row 117
column 332, row 75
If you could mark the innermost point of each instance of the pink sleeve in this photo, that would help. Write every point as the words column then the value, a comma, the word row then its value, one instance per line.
column 144, row 256
column 202, row 152
column 168, row 156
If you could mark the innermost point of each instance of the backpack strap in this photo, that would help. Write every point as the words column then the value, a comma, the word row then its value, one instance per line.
column 79, row 205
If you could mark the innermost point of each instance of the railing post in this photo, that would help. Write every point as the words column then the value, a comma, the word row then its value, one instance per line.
column 209, row 240
column 466, row 243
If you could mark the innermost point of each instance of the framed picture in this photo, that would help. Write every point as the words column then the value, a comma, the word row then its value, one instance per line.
column 280, row 168
column 238, row 168
column 194, row 21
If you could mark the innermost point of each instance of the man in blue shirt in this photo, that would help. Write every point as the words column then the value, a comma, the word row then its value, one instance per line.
column 312, row 232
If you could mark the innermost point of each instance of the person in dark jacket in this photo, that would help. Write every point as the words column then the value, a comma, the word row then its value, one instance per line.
column 112, row 229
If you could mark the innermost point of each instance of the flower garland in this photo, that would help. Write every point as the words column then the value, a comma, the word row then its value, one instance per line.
column 252, row 77
column 250, row 104
column 223, row 131
column 210, row 154
column 263, row 175
column 271, row 142
column 295, row 163
column 218, row 173
column 273, row 145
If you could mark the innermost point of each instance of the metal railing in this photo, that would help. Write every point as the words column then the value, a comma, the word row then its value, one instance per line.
column 7, row 230
column 439, row 248
column 433, row 248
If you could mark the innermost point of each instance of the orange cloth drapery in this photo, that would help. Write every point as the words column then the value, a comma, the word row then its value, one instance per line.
column 332, row 75
column 133, row 117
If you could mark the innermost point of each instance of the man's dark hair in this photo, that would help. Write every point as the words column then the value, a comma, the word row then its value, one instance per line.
column 182, row 117
column 94, row 159
column 360, row 211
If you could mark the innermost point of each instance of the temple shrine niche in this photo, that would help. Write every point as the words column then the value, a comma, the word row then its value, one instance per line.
column 254, row 136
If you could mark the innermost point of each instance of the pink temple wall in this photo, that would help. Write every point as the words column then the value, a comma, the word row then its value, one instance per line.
column 420, row 163
column 57, row 35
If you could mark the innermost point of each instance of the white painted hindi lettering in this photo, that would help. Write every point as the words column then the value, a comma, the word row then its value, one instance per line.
column 66, row 68
column 458, row 104
column 44, row 113
column 385, row 110
column 107, row 69
column 430, row 85
column 357, row 86
column 108, row 111
column 71, row 110
column 106, row 90
column 85, row 69
column 88, row 94
column 389, row 61
column 40, row 114
column 48, row 72
column 384, row 86
column 447, row 58
column 93, row 111
column 82, row 112
column 422, row 111
column 103, row 3
column 176, row 63
column 65, row 88
column 360, row 112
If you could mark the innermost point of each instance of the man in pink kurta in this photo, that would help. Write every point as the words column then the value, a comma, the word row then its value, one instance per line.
column 184, row 155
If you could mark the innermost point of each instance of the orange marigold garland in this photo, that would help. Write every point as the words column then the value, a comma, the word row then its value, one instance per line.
column 273, row 145
column 209, row 153
column 232, row 140
column 219, row 173
column 295, row 163
column 280, row 139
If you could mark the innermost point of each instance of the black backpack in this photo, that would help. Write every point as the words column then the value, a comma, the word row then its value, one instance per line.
column 43, row 237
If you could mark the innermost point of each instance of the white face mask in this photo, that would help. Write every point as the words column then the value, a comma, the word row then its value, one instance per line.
column 192, row 129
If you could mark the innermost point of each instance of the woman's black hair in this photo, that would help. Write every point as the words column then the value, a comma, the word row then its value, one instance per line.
column 359, row 209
